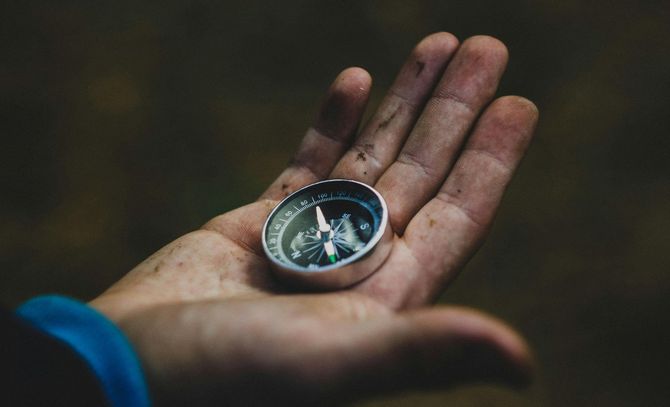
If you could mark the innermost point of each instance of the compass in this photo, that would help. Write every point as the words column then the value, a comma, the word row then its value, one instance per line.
column 329, row 234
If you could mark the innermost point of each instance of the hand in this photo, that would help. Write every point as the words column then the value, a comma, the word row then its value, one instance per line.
column 211, row 323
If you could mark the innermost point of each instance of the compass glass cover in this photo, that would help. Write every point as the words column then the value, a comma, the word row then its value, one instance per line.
column 352, row 216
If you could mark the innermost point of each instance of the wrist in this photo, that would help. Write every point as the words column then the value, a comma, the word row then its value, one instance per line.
column 96, row 340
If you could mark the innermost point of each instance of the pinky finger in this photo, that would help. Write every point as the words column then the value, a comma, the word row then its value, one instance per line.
column 329, row 137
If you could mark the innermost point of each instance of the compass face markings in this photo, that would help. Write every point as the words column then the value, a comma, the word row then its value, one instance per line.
column 352, row 215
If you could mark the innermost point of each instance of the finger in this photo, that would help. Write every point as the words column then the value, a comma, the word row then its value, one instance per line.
column 325, row 142
column 225, row 352
column 428, row 349
column 378, row 144
column 448, row 230
column 469, row 83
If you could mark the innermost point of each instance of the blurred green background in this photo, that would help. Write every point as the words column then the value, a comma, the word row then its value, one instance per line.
column 126, row 124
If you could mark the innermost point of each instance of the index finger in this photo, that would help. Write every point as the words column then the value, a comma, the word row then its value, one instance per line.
column 446, row 232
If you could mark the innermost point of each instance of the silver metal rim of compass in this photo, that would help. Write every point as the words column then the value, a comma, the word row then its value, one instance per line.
column 353, row 269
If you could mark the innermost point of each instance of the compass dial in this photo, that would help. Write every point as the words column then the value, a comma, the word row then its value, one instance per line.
column 325, row 227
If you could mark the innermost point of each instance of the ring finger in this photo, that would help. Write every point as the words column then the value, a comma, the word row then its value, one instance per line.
column 378, row 144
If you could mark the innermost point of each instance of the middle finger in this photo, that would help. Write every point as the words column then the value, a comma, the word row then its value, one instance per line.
column 468, row 84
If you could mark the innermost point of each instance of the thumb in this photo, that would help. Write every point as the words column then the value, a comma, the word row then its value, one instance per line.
column 430, row 349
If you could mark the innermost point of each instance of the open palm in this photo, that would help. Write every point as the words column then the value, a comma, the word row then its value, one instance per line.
column 210, row 322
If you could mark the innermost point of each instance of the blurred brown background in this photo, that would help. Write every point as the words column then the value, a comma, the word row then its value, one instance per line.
column 126, row 124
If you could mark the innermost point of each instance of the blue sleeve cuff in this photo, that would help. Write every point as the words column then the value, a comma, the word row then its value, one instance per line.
column 97, row 340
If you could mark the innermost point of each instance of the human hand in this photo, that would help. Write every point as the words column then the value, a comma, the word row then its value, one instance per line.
column 210, row 322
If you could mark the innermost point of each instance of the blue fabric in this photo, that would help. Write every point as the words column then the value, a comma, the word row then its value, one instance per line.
column 97, row 340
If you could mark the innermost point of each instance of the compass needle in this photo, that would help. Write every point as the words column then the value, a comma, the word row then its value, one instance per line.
column 324, row 227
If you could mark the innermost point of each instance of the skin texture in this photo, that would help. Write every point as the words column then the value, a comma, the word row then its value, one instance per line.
column 212, row 324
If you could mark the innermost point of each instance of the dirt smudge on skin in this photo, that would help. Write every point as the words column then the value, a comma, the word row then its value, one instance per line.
column 419, row 67
column 361, row 156
column 388, row 120
column 286, row 189
column 431, row 222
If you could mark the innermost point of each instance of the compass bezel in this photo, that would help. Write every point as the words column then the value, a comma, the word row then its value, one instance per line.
column 347, row 271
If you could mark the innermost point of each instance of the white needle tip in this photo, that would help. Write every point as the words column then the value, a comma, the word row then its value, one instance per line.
column 324, row 227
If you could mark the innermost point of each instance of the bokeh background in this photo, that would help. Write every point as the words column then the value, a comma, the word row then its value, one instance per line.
column 125, row 124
